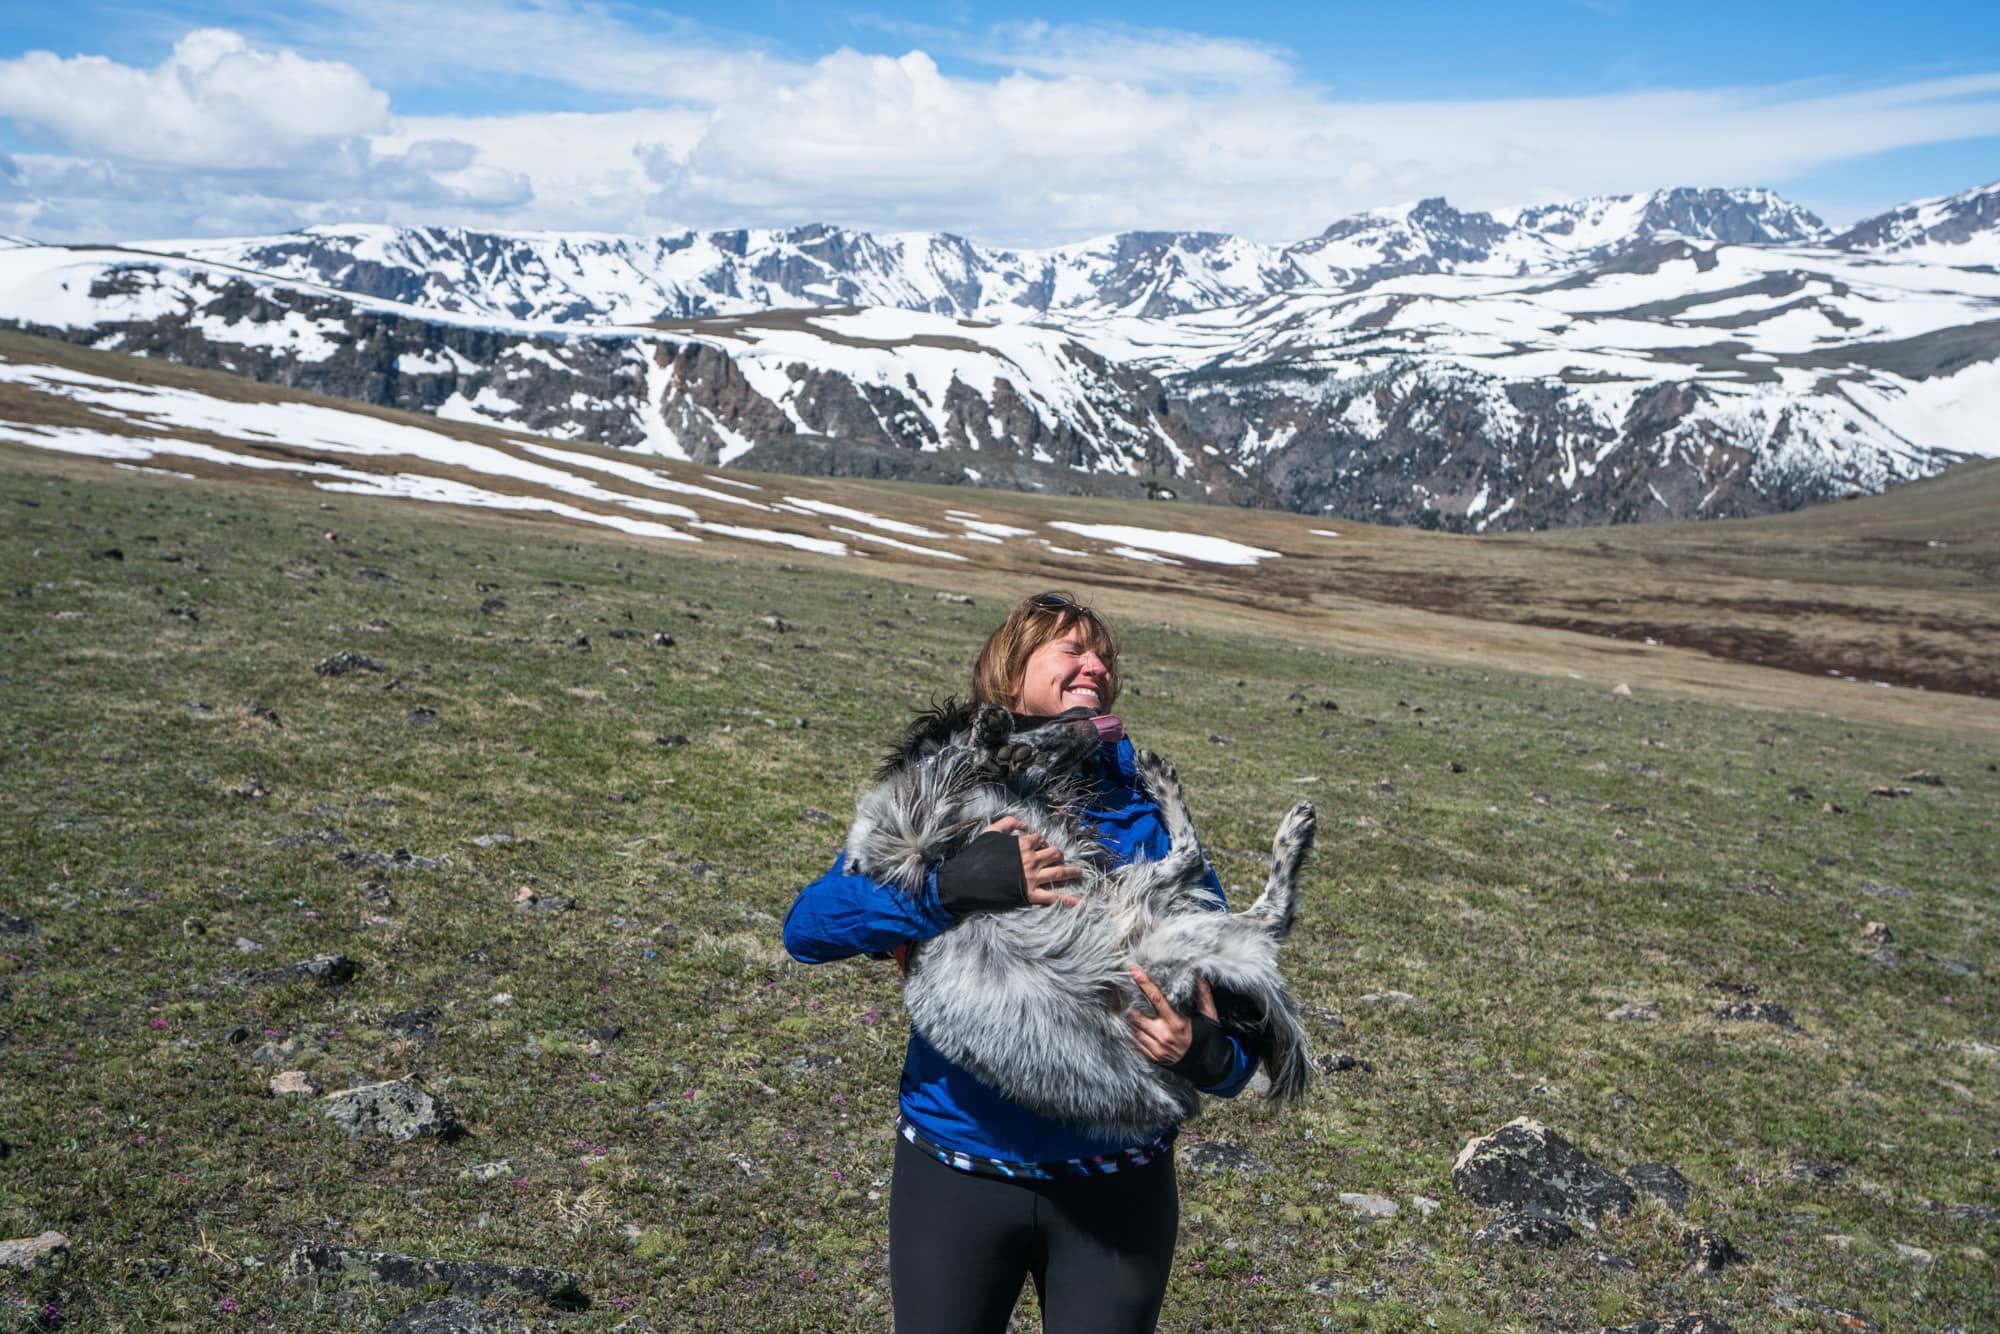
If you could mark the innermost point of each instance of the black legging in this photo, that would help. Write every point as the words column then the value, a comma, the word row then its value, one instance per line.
column 1097, row 1247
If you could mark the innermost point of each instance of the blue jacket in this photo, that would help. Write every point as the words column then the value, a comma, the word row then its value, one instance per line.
column 841, row 915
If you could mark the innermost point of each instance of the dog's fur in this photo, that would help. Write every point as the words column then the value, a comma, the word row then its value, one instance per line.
column 1034, row 1000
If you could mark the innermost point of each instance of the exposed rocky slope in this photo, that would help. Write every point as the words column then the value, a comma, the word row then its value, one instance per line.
column 1675, row 355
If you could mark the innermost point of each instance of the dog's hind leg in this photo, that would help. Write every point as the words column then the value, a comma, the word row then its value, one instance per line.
column 1279, row 902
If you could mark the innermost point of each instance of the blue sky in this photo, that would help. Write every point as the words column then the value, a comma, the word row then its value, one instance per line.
column 1014, row 124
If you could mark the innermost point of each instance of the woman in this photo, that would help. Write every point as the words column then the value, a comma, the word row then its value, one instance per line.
column 985, row 1192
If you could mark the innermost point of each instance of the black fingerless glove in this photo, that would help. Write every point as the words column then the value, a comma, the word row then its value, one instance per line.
column 983, row 876
column 1209, row 1058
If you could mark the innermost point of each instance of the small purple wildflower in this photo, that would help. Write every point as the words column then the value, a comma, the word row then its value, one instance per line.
column 159, row 1023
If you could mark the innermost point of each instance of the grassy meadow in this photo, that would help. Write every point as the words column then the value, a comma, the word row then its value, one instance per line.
column 656, row 1098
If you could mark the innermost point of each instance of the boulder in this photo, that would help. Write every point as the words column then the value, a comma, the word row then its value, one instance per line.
column 464, row 1278
column 345, row 661
column 51, row 1248
column 1662, row 1181
column 1758, row 1012
column 1369, row 1206
column 329, row 970
column 1525, row 1167
column 397, row 1109
column 1709, row 1252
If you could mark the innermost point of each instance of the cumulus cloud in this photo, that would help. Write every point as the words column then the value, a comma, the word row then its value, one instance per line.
column 1070, row 130
column 214, row 102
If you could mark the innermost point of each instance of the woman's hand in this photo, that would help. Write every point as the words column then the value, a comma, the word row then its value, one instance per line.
column 1164, row 1035
column 1042, row 866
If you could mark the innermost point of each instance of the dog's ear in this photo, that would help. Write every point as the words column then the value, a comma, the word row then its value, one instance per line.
column 927, row 731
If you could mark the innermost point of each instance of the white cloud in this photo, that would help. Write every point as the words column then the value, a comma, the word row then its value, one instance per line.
column 214, row 102
column 1079, row 130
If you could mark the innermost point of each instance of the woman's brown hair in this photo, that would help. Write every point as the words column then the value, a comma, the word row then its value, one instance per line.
column 1003, row 659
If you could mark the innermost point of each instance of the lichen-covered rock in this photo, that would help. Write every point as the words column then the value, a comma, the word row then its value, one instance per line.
column 1216, row 1157
column 1525, row 1229
column 1758, row 1012
column 1527, row 1168
column 455, row 1315
column 1662, row 1181
column 51, row 1248
column 329, row 970
column 1709, row 1252
column 1699, row 1323
column 397, row 1109
column 345, row 661
column 465, row 1278
column 292, row 1083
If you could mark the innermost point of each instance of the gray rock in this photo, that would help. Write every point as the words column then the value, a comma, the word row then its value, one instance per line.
column 1924, row 778
column 1958, row 966
column 455, row 1315
column 345, row 661
column 396, row 1109
column 1916, row 1255
column 1877, row 889
column 1369, row 1206
column 1608, row 1263
column 1709, row 1252
column 1815, row 1170
column 292, row 1083
column 1973, row 1213
column 1215, row 1157
column 49, row 1249
column 419, row 1025
column 492, row 840
column 1662, row 1181
column 1525, row 1229
column 1758, row 1012
column 329, row 970
column 398, row 861
column 1637, row 1012
column 327, row 837
column 465, row 1278
column 10, row 925
column 1526, row 1167
column 1699, row 1323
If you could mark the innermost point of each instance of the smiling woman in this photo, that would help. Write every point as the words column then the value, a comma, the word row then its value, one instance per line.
column 987, row 1192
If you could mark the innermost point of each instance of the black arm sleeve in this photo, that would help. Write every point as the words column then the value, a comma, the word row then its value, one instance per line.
column 983, row 876
column 1209, row 1058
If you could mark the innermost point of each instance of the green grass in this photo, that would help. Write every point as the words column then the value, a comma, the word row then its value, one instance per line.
column 724, row 1162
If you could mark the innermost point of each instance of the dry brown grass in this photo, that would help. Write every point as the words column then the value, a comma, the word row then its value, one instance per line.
column 1809, row 610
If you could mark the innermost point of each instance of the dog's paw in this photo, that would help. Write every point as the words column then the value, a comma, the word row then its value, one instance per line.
column 990, row 727
column 1016, row 757
column 1295, row 835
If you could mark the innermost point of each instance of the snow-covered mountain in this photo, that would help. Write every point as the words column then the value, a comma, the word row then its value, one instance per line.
column 1961, row 230
column 872, row 390
column 592, row 278
column 1679, row 354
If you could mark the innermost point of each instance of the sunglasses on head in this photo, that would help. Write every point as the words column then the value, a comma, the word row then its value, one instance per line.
column 1055, row 602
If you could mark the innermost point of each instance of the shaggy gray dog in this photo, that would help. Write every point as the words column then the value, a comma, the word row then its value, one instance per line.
column 1034, row 1001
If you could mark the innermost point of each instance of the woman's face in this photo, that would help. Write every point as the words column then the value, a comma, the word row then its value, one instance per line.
column 1062, row 674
